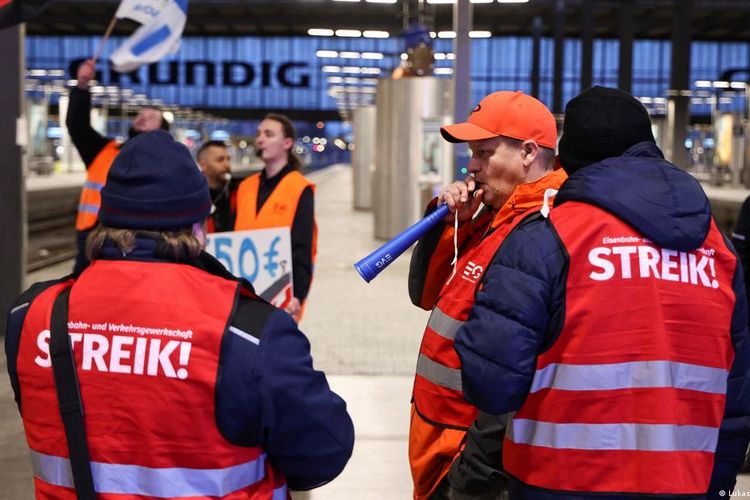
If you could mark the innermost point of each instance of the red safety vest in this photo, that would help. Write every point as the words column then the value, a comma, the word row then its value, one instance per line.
column 147, row 370
column 438, row 396
column 631, row 395
column 442, row 414
column 96, row 176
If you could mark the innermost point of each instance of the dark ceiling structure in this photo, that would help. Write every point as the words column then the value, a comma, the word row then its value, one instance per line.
column 721, row 20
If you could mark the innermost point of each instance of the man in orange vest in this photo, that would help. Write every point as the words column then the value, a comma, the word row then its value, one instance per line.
column 97, row 151
column 512, row 137
column 157, row 374
column 611, row 336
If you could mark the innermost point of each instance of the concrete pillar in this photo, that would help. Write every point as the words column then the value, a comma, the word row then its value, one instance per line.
column 678, row 104
column 462, row 23
column 536, row 33
column 587, row 43
column 625, row 72
column 12, row 165
column 557, row 77
column 363, row 156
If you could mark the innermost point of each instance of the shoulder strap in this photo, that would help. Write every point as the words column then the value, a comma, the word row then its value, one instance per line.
column 69, row 398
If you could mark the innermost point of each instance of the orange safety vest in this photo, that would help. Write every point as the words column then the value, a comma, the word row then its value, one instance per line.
column 96, row 176
column 147, row 376
column 278, row 210
column 645, row 349
column 440, row 414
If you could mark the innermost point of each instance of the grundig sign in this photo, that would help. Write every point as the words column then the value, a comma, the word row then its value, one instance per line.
column 209, row 73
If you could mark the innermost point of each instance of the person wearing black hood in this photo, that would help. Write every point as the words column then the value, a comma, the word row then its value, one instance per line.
column 97, row 152
column 611, row 336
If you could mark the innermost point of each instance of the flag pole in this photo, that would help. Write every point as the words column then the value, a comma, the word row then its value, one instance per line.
column 103, row 41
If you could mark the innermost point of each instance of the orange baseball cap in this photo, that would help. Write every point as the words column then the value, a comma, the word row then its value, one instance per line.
column 510, row 114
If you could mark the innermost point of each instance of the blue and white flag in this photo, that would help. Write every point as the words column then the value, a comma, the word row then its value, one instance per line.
column 159, row 36
column 140, row 11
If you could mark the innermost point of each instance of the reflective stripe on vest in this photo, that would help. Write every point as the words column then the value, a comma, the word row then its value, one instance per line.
column 439, row 374
column 641, row 437
column 630, row 375
column 645, row 353
column 443, row 325
column 96, row 176
column 157, row 482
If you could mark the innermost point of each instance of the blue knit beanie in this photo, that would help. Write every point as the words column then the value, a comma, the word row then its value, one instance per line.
column 154, row 184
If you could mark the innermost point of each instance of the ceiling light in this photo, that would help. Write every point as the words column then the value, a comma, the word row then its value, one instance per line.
column 703, row 83
column 349, row 55
column 375, row 34
column 350, row 69
column 446, row 34
column 319, row 32
column 480, row 34
column 370, row 71
column 349, row 33
column 380, row 1
column 512, row 1
column 331, row 69
column 721, row 85
column 335, row 79
column 443, row 71
column 326, row 53
column 372, row 55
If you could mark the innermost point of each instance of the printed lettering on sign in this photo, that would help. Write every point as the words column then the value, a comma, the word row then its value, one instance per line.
column 261, row 256
column 638, row 258
column 129, row 349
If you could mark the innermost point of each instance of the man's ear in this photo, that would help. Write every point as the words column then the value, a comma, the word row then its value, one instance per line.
column 288, row 143
column 530, row 151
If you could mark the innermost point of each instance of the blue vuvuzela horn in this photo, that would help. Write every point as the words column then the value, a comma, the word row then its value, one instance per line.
column 370, row 266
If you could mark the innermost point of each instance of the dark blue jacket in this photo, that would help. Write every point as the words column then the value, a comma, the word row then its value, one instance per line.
column 267, row 392
column 519, row 312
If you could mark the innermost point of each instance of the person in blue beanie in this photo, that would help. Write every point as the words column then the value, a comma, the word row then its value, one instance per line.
column 609, row 340
column 184, row 382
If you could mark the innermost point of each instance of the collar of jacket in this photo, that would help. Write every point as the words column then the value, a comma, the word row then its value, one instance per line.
column 528, row 195
column 149, row 249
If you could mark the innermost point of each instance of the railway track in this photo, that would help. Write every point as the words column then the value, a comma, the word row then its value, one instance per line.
column 51, row 226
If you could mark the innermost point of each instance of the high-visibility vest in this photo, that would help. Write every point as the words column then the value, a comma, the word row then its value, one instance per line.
column 631, row 395
column 147, row 372
column 277, row 211
column 96, row 176
column 438, row 396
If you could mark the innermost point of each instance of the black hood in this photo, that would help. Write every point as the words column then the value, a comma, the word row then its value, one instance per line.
column 665, row 204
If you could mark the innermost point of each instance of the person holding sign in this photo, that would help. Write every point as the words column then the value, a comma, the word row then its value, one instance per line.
column 192, row 385
column 280, row 196
column 97, row 151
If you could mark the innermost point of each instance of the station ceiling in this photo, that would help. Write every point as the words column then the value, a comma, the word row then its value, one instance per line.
column 726, row 20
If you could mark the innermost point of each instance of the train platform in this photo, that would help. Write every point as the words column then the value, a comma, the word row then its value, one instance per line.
column 364, row 336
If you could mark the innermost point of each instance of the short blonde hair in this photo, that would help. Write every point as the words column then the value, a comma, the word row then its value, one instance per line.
column 175, row 244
